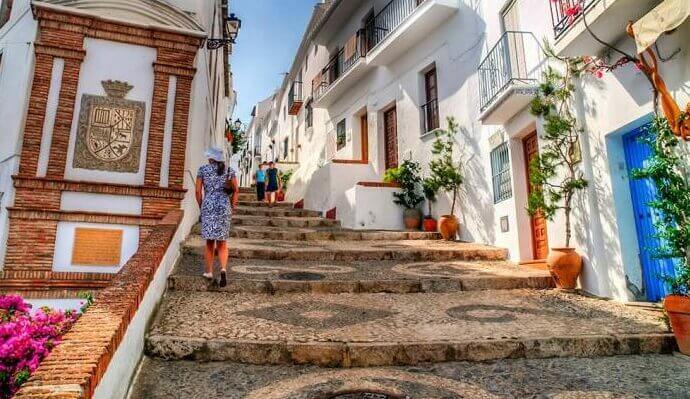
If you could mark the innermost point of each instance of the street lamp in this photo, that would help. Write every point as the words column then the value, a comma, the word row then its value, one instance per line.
column 232, row 29
column 238, row 125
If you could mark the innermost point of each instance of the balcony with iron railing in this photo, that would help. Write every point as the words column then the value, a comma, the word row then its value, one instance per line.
column 401, row 24
column 508, row 76
column 347, row 65
column 608, row 19
column 385, row 37
column 295, row 98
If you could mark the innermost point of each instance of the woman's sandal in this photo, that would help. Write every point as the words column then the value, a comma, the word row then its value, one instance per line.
column 208, row 276
column 223, row 279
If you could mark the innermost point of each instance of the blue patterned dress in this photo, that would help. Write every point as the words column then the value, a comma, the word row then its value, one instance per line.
column 216, row 212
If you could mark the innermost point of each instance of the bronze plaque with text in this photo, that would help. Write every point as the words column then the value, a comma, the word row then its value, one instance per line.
column 97, row 247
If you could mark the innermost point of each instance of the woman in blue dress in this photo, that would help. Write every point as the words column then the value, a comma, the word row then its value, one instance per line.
column 216, row 209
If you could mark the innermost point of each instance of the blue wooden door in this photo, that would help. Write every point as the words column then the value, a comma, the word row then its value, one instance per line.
column 642, row 192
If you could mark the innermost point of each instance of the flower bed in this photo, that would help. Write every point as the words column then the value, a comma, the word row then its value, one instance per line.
column 26, row 337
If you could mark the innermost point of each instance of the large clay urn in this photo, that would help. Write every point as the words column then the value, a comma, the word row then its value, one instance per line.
column 678, row 309
column 412, row 219
column 565, row 265
column 448, row 227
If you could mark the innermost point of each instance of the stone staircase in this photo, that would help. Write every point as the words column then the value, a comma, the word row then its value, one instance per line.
column 304, row 292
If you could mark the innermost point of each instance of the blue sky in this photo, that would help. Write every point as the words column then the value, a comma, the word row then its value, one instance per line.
column 270, row 34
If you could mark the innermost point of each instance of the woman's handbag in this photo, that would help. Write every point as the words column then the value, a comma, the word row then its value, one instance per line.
column 228, row 187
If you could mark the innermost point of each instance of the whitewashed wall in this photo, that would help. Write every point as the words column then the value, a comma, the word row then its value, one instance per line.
column 16, row 68
column 609, row 107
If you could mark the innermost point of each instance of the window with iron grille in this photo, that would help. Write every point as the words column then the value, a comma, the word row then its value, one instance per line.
column 341, row 135
column 500, row 173
column 286, row 143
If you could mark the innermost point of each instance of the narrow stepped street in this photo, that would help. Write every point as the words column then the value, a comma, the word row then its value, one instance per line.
column 313, row 310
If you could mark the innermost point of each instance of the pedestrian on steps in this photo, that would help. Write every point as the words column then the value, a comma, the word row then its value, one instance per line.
column 217, row 194
column 273, row 183
column 260, row 179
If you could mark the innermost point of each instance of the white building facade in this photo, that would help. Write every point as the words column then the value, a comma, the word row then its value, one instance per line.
column 57, row 59
column 373, row 79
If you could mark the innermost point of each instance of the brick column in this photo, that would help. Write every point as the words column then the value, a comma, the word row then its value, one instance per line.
column 63, row 119
column 179, row 138
column 33, row 128
column 154, row 150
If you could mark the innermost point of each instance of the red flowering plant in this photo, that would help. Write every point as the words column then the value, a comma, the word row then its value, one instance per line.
column 27, row 337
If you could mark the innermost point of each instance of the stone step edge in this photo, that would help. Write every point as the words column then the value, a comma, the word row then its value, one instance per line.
column 325, row 235
column 360, row 354
column 346, row 255
column 186, row 283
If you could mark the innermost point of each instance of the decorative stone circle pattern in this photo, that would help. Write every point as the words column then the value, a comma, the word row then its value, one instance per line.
column 317, row 315
column 437, row 269
column 109, row 136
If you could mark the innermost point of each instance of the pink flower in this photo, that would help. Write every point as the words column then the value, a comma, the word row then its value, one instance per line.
column 26, row 339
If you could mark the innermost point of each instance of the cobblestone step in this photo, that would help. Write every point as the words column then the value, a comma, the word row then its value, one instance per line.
column 278, row 277
column 365, row 330
column 275, row 212
column 616, row 377
column 409, row 250
column 300, row 222
column 260, row 204
column 327, row 234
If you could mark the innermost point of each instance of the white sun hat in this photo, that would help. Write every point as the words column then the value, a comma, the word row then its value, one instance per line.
column 215, row 154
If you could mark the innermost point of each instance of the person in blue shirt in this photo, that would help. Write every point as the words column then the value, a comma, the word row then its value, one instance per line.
column 260, row 179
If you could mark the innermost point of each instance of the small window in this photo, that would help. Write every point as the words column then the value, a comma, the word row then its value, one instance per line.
column 286, row 143
column 309, row 114
column 500, row 173
column 340, row 135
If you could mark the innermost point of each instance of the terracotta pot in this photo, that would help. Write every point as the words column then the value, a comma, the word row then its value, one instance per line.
column 448, row 227
column 280, row 196
column 430, row 224
column 565, row 265
column 411, row 218
column 678, row 309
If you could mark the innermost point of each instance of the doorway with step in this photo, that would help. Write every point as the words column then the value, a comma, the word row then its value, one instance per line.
column 390, row 129
column 642, row 191
column 540, row 238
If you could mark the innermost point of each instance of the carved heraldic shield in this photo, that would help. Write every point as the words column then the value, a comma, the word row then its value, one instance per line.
column 110, row 130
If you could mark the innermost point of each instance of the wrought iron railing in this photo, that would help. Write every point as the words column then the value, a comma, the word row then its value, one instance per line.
column 339, row 65
column 517, row 57
column 565, row 12
column 295, row 94
column 430, row 116
column 386, row 20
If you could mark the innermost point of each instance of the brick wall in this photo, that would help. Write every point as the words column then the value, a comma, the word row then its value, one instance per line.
column 36, row 211
column 75, row 367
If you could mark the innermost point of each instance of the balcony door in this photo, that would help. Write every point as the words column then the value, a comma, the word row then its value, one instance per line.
column 431, row 107
column 390, row 127
column 514, row 48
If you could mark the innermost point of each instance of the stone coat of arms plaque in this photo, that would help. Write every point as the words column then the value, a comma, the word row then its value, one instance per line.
column 110, row 130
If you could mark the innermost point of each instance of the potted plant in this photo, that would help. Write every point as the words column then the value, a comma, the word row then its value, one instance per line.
column 430, row 189
column 445, row 172
column 284, row 180
column 555, row 172
column 671, row 176
column 409, row 197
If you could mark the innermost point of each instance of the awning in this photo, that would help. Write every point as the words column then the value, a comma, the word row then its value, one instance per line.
column 667, row 16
